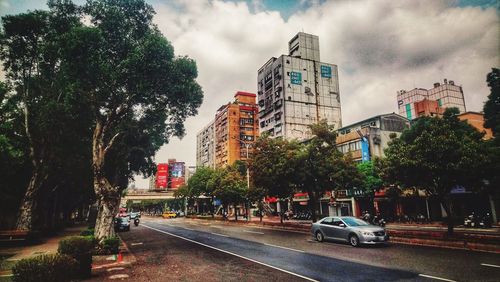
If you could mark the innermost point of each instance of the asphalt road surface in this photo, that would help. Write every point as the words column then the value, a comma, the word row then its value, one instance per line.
column 301, row 257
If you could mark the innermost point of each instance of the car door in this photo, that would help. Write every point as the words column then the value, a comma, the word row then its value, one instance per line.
column 343, row 231
column 337, row 230
column 326, row 227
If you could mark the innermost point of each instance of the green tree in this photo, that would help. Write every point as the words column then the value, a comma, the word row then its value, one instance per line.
column 371, row 180
column 492, row 105
column 139, row 94
column 272, row 168
column 492, row 120
column 321, row 167
column 230, row 187
column 201, row 183
column 437, row 154
column 29, row 49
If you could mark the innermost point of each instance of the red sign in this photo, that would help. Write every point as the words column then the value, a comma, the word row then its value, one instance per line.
column 162, row 176
column 176, row 182
column 271, row 199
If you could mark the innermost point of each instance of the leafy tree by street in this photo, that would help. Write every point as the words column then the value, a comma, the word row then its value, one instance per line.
column 50, row 115
column 492, row 120
column 437, row 154
column 139, row 94
column 230, row 187
column 321, row 167
column 273, row 168
column 371, row 180
column 492, row 105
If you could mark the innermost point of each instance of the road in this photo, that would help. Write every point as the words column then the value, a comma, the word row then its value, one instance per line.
column 299, row 256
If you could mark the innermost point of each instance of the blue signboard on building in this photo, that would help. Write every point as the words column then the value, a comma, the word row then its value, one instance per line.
column 365, row 150
column 296, row 77
column 326, row 71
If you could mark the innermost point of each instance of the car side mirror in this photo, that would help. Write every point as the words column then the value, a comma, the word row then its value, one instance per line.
column 342, row 225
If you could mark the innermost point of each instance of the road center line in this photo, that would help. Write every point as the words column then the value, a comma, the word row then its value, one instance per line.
column 135, row 244
column 435, row 277
column 295, row 250
column 233, row 254
column 490, row 265
column 255, row 232
column 218, row 234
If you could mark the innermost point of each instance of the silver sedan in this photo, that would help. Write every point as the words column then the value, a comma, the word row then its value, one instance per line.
column 348, row 229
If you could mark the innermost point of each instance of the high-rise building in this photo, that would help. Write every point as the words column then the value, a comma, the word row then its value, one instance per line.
column 236, row 127
column 297, row 90
column 205, row 146
column 422, row 102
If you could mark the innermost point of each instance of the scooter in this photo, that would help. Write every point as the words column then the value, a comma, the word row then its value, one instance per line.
column 486, row 221
column 470, row 221
column 136, row 221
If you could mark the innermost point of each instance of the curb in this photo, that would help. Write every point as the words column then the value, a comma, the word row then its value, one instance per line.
column 127, row 259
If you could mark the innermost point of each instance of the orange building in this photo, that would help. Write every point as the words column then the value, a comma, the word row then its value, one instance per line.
column 477, row 120
column 236, row 126
column 428, row 108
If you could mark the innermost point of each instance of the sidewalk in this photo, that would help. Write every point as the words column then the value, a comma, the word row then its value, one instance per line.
column 433, row 234
column 49, row 245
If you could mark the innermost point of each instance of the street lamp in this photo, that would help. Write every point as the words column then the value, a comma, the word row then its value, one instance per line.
column 246, row 144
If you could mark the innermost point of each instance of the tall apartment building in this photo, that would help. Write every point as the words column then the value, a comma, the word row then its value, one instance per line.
column 422, row 102
column 235, row 127
column 297, row 90
column 205, row 146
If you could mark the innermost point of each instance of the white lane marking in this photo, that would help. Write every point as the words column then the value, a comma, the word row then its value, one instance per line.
column 490, row 265
column 136, row 244
column 233, row 254
column 437, row 278
column 218, row 234
column 300, row 251
column 255, row 232
column 188, row 228
column 7, row 275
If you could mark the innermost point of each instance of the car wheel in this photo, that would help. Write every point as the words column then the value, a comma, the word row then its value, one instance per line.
column 354, row 240
column 128, row 228
column 319, row 236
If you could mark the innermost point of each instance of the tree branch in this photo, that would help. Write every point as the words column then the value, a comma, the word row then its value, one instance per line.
column 111, row 142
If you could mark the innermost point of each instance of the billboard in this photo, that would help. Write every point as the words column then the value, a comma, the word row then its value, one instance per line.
column 177, row 170
column 161, row 176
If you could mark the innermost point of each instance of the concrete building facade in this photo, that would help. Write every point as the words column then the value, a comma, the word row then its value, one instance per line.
column 205, row 146
column 446, row 95
column 235, row 127
column 297, row 90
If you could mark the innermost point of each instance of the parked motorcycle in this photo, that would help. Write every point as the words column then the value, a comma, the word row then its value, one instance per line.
column 485, row 221
column 470, row 220
column 136, row 221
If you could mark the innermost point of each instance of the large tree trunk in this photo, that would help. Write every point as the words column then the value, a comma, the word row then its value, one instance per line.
column 108, row 202
column 26, row 215
column 449, row 215
column 108, row 196
column 312, row 205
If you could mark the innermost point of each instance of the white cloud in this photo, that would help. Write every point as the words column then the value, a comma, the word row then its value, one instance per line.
column 380, row 47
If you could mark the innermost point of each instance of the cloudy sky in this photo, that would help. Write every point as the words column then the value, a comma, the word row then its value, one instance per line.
column 380, row 46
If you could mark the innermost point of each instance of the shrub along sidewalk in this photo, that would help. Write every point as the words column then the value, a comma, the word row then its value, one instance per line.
column 71, row 254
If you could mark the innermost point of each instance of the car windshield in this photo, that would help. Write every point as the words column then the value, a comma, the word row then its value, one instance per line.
column 122, row 219
column 351, row 221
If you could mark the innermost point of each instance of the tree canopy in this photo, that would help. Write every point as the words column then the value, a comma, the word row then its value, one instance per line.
column 437, row 154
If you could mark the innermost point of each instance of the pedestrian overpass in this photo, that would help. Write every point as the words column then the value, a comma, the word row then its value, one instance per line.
column 139, row 194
